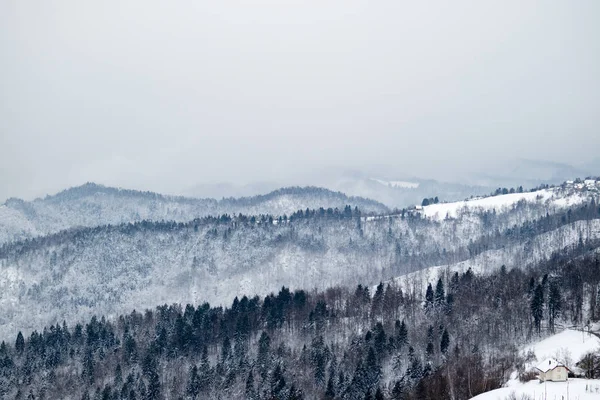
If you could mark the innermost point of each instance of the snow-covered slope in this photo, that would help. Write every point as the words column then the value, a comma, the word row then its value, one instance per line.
column 92, row 205
column 517, row 255
column 554, row 198
column 568, row 347
column 579, row 389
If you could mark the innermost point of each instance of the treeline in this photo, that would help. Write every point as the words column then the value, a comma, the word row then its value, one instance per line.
column 492, row 221
column 457, row 340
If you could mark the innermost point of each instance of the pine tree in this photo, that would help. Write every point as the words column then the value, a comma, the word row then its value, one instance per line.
column 554, row 305
column 537, row 307
column 429, row 297
column 429, row 350
column 319, row 357
column 399, row 390
column 193, row 386
column 379, row 340
column 373, row 369
column 445, row 342
column 118, row 375
column 359, row 384
column 20, row 343
column 277, row 382
column 88, row 367
column 250, row 391
column 330, row 391
column 225, row 349
column 204, row 372
column 377, row 303
column 440, row 294
column 415, row 369
column 262, row 359
column 401, row 335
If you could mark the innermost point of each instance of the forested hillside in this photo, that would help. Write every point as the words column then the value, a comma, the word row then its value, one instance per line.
column 110, row 270
column 459, row 339
column 91, row 205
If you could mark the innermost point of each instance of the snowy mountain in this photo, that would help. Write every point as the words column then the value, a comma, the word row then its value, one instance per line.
column 111, row 269
column 92, row 205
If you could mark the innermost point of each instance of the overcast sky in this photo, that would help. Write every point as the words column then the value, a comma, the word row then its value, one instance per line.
column 163, row 95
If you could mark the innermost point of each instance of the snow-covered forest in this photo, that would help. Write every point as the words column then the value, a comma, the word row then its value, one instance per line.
column 113, row 269
column 460, row 339
column 445, row 293
column 92, row 205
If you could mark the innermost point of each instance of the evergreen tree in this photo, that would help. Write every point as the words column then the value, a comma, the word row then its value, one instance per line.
column 204, row 372
column 537, row 307
column 277, row 382
column 319, row 358
column 415, row 368
column 373, row 370
column 262, row 360
column 88, row 367
column 429, row 350
column 379, row 340
column 225, row 349
column 359, row 384
column 250, row 391
column 429, row 297
column 377, row 303
column 193, row 387
column 401, row 335
column 445, row 342
column 399, row 390
column 118, row 375
column 440, row 294
column 20, row 343
column 330, row 391
column 554, row 305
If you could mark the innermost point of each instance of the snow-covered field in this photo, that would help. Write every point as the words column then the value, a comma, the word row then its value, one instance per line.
column 573, row 389
column 569, row 347
column 552, row 198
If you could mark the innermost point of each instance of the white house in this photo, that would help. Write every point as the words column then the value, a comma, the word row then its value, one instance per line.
column 552, row 370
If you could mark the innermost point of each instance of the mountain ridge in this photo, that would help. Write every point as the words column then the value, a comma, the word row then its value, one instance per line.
column 92, row 205
column 110, row 268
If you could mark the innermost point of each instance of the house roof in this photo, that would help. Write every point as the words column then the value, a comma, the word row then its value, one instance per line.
column 549, row 364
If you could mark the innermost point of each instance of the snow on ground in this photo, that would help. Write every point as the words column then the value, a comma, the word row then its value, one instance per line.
column 398, row 184
column 504, row 202
column 574, row 389
column 568, row 346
